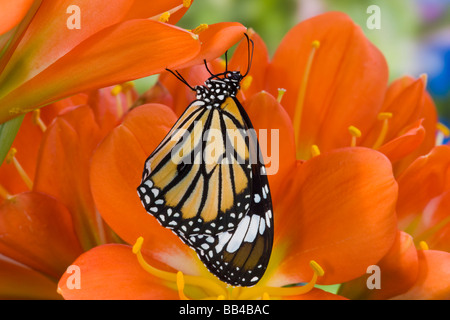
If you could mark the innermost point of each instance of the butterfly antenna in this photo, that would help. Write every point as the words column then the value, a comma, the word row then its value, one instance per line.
column 226, row 61
column 180, row 77
column 250, row 53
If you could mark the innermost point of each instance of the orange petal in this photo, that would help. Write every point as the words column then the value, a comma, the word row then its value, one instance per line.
column 316, row 294
column 345, row 86
column 269, row 117
column 260, row 61
column 398, row 272
column 12, row 13
column 49, row 29
column 116, row 172
column 434, row 226
column 63, row 167
column 218, row 38
column 20, row 282
column 338, row 210
column 433, row 279
column 37, row 231
column 112, row 272
column 398, row 148
column 144, row 9
column 430, row 174
column 91, row 64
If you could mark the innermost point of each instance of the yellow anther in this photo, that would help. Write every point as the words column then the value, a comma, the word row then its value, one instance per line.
column 180, row 286
column 127, row 86
column 11, row 155
column 164, row 17
column 315, row 151
column 187, row 3
column 423, row 245
column 200, row 28
column 382, row 116
column 301, row 98
column 116, row 90
column 11, row 158
column 36, row 119
column 355, row 133
column 281, row 92
column 246, row 83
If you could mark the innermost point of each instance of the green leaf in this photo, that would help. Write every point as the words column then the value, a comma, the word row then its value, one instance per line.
column 8, row 132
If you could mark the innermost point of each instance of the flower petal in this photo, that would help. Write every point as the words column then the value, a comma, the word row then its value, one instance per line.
column 433, row 279
column 431, row 174
column 12, row 13
column 116, row 172
column 338, row 209
column 37, row 231
column 20, row 282
column 112, row 272
column 153, row 46
column 347, row 72
column 218, row 38
column 398, row 269
column 269, row 118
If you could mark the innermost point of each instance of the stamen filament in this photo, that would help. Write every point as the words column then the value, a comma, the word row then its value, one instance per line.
column 431, row 231
column 180, row 286
column 355, row 133
column 197, row 281
column 127, row 88
column 11, row 157
column 301, row 98
column 291, row 291
column 116, row 93
column 383, row 116
column 36, row 118
column 4, row 193
column 281, row 93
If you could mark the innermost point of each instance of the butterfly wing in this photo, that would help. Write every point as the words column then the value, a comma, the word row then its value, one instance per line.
column 211, row 195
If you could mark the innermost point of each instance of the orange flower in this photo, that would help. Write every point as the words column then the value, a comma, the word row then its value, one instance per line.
column 44, row 58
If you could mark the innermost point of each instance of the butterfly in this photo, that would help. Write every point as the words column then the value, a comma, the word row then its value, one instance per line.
column 206, row 181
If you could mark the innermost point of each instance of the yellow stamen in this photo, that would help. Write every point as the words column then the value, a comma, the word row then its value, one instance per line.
column 281, row 93
column 383, row 116
column 36, row 119
column 315, row 151
column 187, row 3
column 116, row 93
column 11, row 157
column 355, row 133
column 4, row 193
column 164, row 17
column 301, row 97
column 423, row 245
column 246, row 83
column 180, row 285
column 258, row 291
column 428, row 233
column 202, row 27
column 127, row 88
column 443, row 132
column 207, row 284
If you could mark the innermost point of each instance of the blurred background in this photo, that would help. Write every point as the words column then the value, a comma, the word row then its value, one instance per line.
column 414, row 34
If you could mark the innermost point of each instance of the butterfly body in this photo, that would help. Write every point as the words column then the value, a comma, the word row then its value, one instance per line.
column 212, row 194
